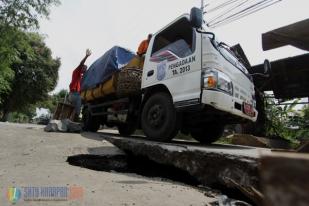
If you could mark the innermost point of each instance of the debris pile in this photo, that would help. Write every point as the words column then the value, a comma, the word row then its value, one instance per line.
column 64, row 125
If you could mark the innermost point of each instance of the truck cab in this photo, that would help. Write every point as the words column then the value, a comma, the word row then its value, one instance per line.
column 204, row 80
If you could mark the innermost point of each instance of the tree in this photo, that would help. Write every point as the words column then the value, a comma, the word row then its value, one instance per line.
column 7, row 54
column 301, row 122
column 24, row 14
column 23, row 117
column 52, row 101
column 286, row 122
column 16, row 16
column 36, row 74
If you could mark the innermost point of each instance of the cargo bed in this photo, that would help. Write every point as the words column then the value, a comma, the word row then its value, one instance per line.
column 124, row 83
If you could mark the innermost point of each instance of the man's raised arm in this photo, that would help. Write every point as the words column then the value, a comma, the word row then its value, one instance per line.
column 88, row 53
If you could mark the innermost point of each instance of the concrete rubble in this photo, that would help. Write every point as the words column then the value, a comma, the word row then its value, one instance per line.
column 64, row 125
column 217, row 165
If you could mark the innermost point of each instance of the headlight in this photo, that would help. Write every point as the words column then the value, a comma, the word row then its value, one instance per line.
column 214, row 79
column 225, row 83
column 210, row 79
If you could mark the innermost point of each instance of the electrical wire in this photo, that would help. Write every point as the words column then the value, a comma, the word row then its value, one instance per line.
column 223, row 19
column 241, row 16
column 225, row 12
column 221, row 6
column 227, row 16
column 239, row 12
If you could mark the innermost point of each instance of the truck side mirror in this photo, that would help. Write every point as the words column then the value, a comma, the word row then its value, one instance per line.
column 267, row 70
column 196, row 17
column 267, row 66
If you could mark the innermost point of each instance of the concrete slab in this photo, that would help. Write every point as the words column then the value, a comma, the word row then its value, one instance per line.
column 231, row 166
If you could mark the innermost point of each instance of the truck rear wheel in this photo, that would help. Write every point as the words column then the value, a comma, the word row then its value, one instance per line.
column 208, row 134
column 90, row 123
column 159, row 118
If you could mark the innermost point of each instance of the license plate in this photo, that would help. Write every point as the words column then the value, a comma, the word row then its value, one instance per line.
column 248, row 110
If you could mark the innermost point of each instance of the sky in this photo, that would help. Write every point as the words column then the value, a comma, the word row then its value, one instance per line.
column 99, row 25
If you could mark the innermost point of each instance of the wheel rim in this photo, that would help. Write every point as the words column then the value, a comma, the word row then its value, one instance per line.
column 156, row 116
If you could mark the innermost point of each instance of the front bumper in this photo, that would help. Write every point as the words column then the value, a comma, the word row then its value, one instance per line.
column 226, row 103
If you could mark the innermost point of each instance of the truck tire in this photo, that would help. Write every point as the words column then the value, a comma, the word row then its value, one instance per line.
column 126, row 129
column 90, row 123
column 159, row 118
column 208, row 134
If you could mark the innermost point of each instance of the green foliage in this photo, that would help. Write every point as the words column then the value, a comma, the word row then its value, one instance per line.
column 17, row 117
column 36, row 73
column 16, row 16
column 6, row 76
column 301, row 122
column 52, row 101
column 23, row 117
column 24, row 13
column 285, row 122
column 7, row 56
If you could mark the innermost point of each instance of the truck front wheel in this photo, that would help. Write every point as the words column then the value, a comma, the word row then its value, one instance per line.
column 159, row 118
column 90, row 123
column 208, row 134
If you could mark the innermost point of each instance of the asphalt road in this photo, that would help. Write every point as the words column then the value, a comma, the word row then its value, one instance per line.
column 29, row 157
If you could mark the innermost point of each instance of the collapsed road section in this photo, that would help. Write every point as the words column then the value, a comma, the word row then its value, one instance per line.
column 225, row 166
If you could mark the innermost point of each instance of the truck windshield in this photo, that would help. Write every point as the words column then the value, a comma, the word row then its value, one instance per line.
column 230, row 56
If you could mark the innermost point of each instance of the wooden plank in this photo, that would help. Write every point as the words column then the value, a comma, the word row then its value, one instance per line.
column 285, row 179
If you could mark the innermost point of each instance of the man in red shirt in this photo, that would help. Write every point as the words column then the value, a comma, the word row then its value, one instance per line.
column 74, row 96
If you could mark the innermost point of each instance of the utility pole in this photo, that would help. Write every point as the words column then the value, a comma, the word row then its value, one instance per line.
column 202, row 8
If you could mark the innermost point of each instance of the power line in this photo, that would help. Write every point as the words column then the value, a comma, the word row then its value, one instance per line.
column 224, row 13
column 221, row 6
column 241, row 15
column 220, row 19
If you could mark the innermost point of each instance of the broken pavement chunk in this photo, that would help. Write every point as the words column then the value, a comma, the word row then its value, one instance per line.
column 230, row 166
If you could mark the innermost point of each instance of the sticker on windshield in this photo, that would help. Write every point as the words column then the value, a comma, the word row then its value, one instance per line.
column 161, row 70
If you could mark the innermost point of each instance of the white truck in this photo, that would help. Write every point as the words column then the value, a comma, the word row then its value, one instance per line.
column 190, row 83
